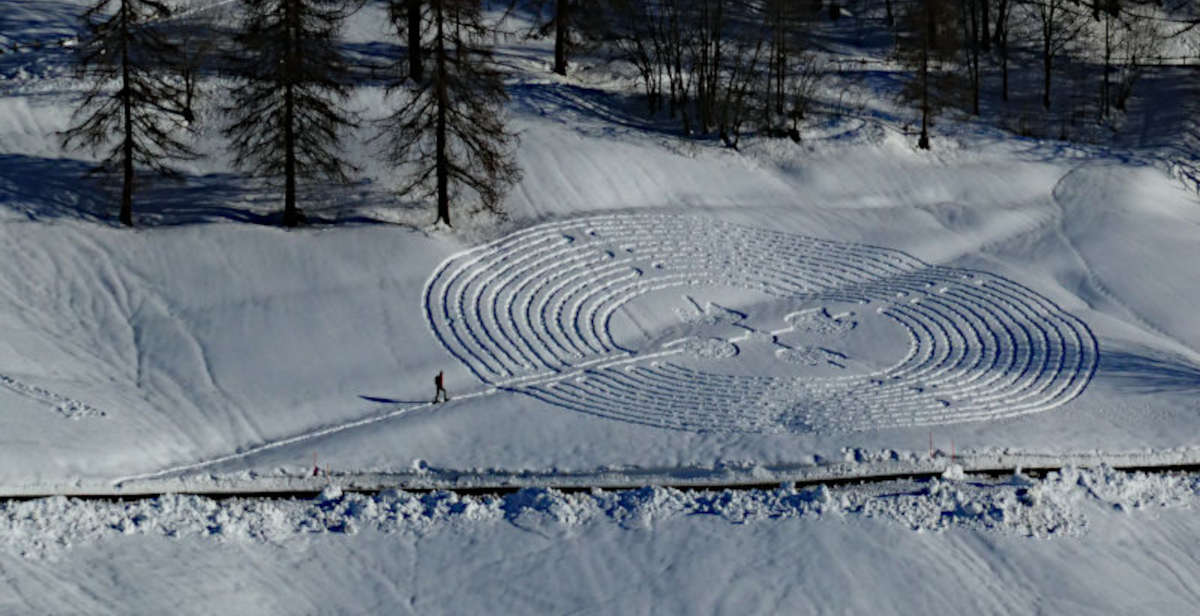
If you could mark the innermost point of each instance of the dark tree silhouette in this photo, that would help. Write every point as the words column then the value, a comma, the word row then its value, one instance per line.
column 196, row 39
column 562, row 34
column 1000, row 39
column 927, row 40
column 406, row 19
column 570, row 20
column 450, row 128
column 131, row 101
column 970, row 18
column 415, row 67
column 1060, row 23
column 287, row 109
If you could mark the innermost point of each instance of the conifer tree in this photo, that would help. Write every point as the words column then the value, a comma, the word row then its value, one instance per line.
column 927, row 39
column 406, row 18
column 131, row 103
column 288, row 107
column 450, row 129
column 572, row 21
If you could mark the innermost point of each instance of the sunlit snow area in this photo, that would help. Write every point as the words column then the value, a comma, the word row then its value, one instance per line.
column 652, row 310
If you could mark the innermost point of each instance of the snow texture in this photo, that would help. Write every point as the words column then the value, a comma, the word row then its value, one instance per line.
column 533, row 313
column 1057, row 506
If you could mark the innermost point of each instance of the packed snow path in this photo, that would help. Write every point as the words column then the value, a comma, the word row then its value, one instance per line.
column 68, row 407
column 552, row 312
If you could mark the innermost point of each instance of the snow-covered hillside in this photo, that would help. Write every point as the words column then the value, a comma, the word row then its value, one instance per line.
column 651, row 305
column 999, row 292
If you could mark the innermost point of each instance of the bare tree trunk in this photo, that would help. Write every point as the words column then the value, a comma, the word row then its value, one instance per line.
column 1004, row 64
column 415, row 66
column 1104, row 89
column 985, row 41
column 1001, row 21
column 126, row 214
column 923, row 141
column 781, row 49
column 1046, row 66
column 189, row 92
column 973, row 51
column 1048, row 12
column 443, row 172
column 291, row 217
column 560, row 36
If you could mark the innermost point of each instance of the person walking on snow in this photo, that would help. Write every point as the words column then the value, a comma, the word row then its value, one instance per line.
column 441, row 390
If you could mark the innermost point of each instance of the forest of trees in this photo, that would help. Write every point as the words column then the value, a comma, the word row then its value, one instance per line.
column 719, row 68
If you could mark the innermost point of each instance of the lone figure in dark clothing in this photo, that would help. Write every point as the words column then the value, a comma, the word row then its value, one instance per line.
column 441, row 389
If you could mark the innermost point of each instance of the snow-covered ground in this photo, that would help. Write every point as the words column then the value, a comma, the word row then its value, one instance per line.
column 653, row 307
column 653, row 301
column 1076, row 542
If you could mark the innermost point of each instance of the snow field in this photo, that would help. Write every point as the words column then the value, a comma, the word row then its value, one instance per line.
column 208, row 346
column 656, row 310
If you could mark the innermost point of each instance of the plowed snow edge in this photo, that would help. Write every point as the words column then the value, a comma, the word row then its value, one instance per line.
column 719, row 478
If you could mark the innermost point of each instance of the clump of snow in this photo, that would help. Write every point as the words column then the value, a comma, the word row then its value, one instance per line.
column 1057, row 505
column 329, row 494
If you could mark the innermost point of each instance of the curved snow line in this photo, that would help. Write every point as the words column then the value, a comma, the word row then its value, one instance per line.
column 981, row 347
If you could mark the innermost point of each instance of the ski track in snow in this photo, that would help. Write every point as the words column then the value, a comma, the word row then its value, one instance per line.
column 532, row 313
column 292, row 440
column 68, row 407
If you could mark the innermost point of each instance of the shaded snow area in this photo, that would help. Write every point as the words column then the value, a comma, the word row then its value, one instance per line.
column 1094, row 539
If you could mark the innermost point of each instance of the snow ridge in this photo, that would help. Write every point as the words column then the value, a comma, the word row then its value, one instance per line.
column 1051, row 507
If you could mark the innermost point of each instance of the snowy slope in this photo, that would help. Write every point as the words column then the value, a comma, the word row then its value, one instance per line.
column 653, row 310
column 1055, row 280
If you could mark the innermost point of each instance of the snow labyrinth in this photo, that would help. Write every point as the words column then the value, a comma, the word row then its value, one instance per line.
column 536, row 313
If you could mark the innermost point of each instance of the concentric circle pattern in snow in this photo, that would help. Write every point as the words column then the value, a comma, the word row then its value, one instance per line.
column 690, row 323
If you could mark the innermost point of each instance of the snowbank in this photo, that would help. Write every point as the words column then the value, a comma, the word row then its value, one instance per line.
column 1057, row 505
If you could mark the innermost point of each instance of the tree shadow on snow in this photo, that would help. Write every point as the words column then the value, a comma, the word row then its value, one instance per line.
column 1149, row 372
column 37, row 26
column 50, row 189
column 59, row 188
column 568, row 104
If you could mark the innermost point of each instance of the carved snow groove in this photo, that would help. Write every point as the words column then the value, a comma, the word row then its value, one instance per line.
column 68, row 407
column 533, row 312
